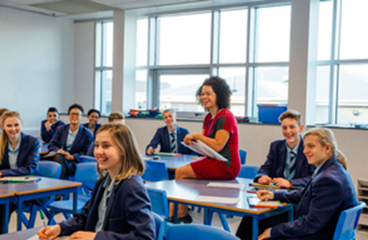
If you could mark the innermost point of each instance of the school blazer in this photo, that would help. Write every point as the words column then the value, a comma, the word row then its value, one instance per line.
column 162, row 137
column 80, row 145
column 47, row 135
column 27, row 160
column 319, row 204
column 128, row 213
column 86, row 125
column 275, row 164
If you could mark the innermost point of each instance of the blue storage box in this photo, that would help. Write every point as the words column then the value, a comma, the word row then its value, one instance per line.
column 270, row 113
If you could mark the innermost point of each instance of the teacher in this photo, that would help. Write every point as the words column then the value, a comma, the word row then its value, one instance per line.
column 220, row 132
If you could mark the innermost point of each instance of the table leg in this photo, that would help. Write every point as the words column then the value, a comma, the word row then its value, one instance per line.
column 6, row 217
column 19, row 213
column 75, row 200
column 175, row 217
column 255, row 228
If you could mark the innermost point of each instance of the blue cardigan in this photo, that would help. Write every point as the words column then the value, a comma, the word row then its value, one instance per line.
column 80, row 145
column 28, row 157
column 319, row 204
column 128, row 213
column 162, row 137
column 47, row 135
column 275, row 164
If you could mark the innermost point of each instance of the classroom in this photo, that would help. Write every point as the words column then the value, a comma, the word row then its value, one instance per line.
column 308, row 55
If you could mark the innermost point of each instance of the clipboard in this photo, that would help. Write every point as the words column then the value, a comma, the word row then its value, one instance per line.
column 25, row 179
column 258, row 203
column 201, row 148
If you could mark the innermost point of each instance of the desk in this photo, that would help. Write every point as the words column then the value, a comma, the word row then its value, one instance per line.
column 185, row 191
column 44, row 188
column 20, row 235
column 173, row 163
column 4, row 199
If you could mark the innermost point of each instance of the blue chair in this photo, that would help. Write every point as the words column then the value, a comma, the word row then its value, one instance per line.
column 48, row 169
column 85, row 159
column 86, row 173
column 159, row 202
column 155, row 171
column 196, row 232
column 243, row 156
column 160, row 226
column 248, row 171
column 347, row 224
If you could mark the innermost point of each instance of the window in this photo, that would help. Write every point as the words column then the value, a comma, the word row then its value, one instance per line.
column 103, row 67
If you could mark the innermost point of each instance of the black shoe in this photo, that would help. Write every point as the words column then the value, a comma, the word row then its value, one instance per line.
column 186, row 219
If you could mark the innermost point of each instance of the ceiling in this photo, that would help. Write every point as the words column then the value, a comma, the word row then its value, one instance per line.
column 87, row 9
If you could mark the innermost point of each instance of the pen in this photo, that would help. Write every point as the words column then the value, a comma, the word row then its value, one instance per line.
column 43, row 219
column 269, row 190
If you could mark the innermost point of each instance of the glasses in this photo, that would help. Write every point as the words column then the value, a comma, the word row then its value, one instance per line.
column 74, row 114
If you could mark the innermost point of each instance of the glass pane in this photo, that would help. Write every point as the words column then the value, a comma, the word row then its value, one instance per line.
column 235, row 77
column 353, row 97
column 233, row 36
column 178, row 91
column 184, row 39
column 354, row 35
column 273, row 41
column 142, row 41
column 322, row 94
column 108, row 44
column 105, row 94
column 141, row 89
column 325, row 30
column 272, row 85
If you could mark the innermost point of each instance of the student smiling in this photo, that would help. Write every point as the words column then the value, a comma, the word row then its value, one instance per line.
column 49, row 126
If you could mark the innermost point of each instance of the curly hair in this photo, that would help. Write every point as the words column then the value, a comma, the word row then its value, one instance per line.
column 220, row 87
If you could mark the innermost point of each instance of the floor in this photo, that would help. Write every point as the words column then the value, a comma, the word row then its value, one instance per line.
column 197, row 219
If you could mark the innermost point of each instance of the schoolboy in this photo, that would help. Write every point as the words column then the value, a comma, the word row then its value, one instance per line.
column 50, row 124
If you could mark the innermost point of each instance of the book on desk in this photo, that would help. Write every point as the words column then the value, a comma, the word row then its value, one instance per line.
column 267, row 186
column 256, row 202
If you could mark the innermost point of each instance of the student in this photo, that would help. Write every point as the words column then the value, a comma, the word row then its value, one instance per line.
column 93, row 115
column 115, row 117
column 49, row 126
column 19, row 153
column 321, row 202
column 220, row 132
column 71, row 141
column 2, row 110
column 169, row 137
column 119, row 208
column 286, row 162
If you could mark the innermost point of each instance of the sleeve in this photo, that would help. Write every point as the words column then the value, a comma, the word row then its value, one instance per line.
column 301, row 181
column 155, row 141
column 267, row 167
column 30, row 163
column 326, row 199
column 55, row 143
column 46, row 136
column 289, row 197
column 138, row 217
column 88, row 139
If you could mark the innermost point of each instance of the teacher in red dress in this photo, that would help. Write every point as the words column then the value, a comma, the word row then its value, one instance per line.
column 220, row 132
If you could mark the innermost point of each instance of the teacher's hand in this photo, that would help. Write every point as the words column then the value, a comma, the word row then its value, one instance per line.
column 190, row 138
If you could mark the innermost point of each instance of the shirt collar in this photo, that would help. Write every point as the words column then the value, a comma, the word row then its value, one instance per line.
column 107, row 182
column 16, row 148
column 76, row 131
column 316, row 171
column 295, row 150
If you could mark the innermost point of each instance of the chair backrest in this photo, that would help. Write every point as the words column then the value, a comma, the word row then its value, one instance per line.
column 87, row 174
column 160, row 226
column 159, row 202
column 347, row 224
column 155, row 171
column 243, row 156
column 86, row 159
column 195, row 231
column 49, row 169
column 248, row 171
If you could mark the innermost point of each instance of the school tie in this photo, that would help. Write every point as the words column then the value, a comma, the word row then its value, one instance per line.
column 292, row 165
column 173, row 143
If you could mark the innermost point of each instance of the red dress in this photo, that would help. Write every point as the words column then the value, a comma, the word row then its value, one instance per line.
column 208, row 168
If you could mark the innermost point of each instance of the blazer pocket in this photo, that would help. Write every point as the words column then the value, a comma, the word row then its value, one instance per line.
column 116, row 224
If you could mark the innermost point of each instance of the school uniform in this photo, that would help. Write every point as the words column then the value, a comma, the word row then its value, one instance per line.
column 275, row 164
column 47, row 135
column 91, row 150
column 127, row 212
column 86, row 125
column 162, row 137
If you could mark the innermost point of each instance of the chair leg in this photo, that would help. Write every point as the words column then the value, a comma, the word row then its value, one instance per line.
column 32, row 216
column 51, row 218
column 224, row 222
column 24, row 219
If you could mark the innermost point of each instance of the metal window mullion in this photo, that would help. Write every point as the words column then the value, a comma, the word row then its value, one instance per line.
column 249, row 54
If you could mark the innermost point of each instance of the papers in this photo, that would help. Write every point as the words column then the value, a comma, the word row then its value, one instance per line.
column 25, row 179
column 225, row 185
column 201, row 148
column 35, row 237
column 212, row 199
column 256, row 202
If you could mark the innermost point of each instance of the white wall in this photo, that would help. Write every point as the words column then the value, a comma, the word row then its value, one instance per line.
column 36, row 64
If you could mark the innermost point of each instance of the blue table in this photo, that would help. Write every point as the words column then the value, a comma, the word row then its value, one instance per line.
column 173, row 163
column 185, row 191
column 44, row 188
column 4, row 199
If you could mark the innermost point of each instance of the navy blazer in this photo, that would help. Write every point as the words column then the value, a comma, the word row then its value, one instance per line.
column 86, row 125
column 80, row 145
column 28, row 157
column 47, row 135
column 128, row 213
column 319, row 204
column 275, row 164
column 162, row 137
column 91, row 150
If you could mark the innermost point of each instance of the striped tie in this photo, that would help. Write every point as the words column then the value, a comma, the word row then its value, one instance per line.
column 173, row 143
column 292, row 165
